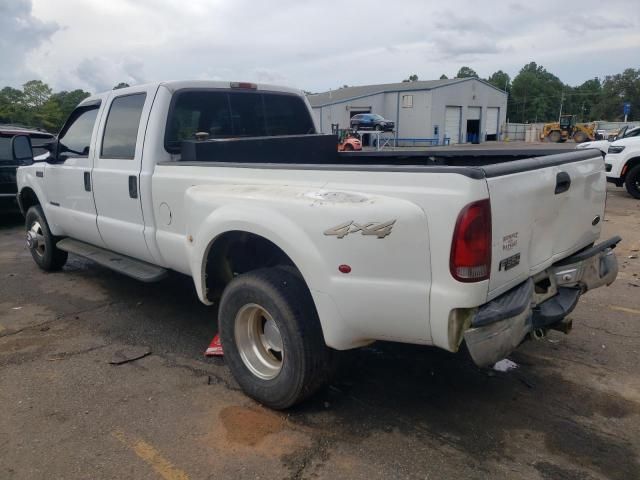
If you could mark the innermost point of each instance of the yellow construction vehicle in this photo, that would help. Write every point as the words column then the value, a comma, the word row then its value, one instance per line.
column 567, row 128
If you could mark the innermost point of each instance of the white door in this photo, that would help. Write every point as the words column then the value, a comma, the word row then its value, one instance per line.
column 493, row 114
column 116, row 172
column 70, row 209
column 452, row 124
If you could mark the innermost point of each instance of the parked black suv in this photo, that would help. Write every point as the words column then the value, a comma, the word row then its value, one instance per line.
column 371, row 121
column 8, row 186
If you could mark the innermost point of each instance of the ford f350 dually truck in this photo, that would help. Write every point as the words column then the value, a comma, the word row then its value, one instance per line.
column 305, row 250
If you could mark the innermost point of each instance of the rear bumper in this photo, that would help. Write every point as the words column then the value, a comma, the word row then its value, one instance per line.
column 499, row 326
column 618, row 182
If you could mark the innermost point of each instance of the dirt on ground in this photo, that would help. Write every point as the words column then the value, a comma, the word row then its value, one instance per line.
column 71, row 409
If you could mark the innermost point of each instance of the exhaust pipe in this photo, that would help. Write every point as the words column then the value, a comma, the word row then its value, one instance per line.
column 538, row 333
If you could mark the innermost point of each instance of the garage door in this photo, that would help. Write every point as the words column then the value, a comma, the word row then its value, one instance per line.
column 452, row 124
column 473, row 113
column 492, row 120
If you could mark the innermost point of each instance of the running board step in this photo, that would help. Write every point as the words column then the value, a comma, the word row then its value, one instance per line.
column 128, row 266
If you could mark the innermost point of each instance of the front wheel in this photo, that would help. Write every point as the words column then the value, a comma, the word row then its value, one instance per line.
column 272, row 339
column 41, row 243
column 632, row 181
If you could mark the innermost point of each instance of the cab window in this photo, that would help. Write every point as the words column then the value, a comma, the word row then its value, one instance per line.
column 75, row 137
column 224, row 114
column 121, row 129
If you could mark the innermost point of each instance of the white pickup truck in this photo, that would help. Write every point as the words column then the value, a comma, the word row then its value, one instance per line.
column 305, row 250
column 622, row 163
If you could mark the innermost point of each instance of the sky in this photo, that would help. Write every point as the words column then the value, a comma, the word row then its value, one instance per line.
column 314, row 45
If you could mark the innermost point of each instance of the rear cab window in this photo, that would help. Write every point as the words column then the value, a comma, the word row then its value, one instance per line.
column 228, row 114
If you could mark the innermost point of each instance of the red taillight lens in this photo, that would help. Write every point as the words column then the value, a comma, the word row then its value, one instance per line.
column 247, row 85
column 471, row 246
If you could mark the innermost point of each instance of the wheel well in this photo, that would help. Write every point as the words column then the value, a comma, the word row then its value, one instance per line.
column 236, row 252
column 28, row 199
column 632, row 162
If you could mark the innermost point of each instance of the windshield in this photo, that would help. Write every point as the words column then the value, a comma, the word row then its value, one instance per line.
column 633, row 132
column 224, row 114
column 377, row 117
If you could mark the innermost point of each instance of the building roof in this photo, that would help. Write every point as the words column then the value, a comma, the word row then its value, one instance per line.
column 350, row 93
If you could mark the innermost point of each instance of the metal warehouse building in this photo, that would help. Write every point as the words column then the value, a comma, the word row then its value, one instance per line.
column 461, row 109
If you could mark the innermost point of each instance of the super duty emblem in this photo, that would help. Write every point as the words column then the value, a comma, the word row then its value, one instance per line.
column 380, row 230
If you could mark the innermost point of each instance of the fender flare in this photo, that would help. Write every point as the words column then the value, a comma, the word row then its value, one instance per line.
column 280, row 230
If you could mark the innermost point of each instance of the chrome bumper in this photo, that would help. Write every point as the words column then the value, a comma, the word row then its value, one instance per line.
column 499, row 326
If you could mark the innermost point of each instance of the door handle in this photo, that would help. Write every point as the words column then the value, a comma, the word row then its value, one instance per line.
column 87, row 181
column 563, row 182
column 133, row 186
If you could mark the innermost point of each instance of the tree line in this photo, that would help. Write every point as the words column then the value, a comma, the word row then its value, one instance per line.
column 536, row 95
column 36, row 105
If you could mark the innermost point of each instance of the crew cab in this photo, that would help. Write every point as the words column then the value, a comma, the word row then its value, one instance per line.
column 622, row 164
column 306, row 251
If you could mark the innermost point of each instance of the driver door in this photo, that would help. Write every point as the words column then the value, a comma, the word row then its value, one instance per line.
column 70, row 209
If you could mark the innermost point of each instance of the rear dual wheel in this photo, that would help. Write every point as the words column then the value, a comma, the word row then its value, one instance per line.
column 272, row 339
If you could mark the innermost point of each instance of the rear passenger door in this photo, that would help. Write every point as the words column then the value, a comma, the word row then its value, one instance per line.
column 116, row 171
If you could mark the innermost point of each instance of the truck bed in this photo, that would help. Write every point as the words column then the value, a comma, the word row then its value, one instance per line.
column 319, row 152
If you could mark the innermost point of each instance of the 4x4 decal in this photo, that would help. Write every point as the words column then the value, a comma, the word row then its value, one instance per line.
column 380, row 230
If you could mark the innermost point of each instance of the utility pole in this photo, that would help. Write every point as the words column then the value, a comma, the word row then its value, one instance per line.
column 561, row 101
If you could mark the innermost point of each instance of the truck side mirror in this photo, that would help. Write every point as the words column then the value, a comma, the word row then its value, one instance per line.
column 21, row 150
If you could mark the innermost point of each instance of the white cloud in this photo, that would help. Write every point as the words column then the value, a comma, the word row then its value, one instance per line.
column 314, row 45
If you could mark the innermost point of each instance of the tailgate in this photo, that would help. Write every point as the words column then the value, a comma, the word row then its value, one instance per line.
column 543, row 209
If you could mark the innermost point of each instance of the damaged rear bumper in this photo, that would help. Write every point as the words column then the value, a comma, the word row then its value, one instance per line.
column 498, row 327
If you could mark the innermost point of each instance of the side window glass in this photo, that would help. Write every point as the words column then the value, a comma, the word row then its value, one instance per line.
column 121, row 128
column 75, row 139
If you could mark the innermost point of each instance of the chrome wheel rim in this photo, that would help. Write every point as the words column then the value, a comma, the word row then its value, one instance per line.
column 35, row 239
column 259, row 341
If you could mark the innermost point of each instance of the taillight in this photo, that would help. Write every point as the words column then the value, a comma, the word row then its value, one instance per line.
column 471, row 246
column 245, row 85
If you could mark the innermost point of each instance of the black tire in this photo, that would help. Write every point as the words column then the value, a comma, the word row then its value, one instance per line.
column 305, row 360
column 555, row 137
column 41, row 243
column 632, row 182
column 378, row 127
column 579, row 137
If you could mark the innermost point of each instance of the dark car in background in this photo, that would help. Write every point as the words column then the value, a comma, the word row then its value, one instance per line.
column 371, row 121
column 8, row 167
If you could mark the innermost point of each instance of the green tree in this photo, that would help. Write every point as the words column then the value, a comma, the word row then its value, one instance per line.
column 35, row 94
column 535, row 95
column 121, row 85
column 412, row 78
column 444, row 77
column 10, row 101
column 466, row 72
column 616, row 90
column 500, row 80
column 59, row 107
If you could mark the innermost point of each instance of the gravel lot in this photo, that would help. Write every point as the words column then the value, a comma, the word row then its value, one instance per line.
column 570, row 411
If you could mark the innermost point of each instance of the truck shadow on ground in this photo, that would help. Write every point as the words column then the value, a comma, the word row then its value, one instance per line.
column 445, row 397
